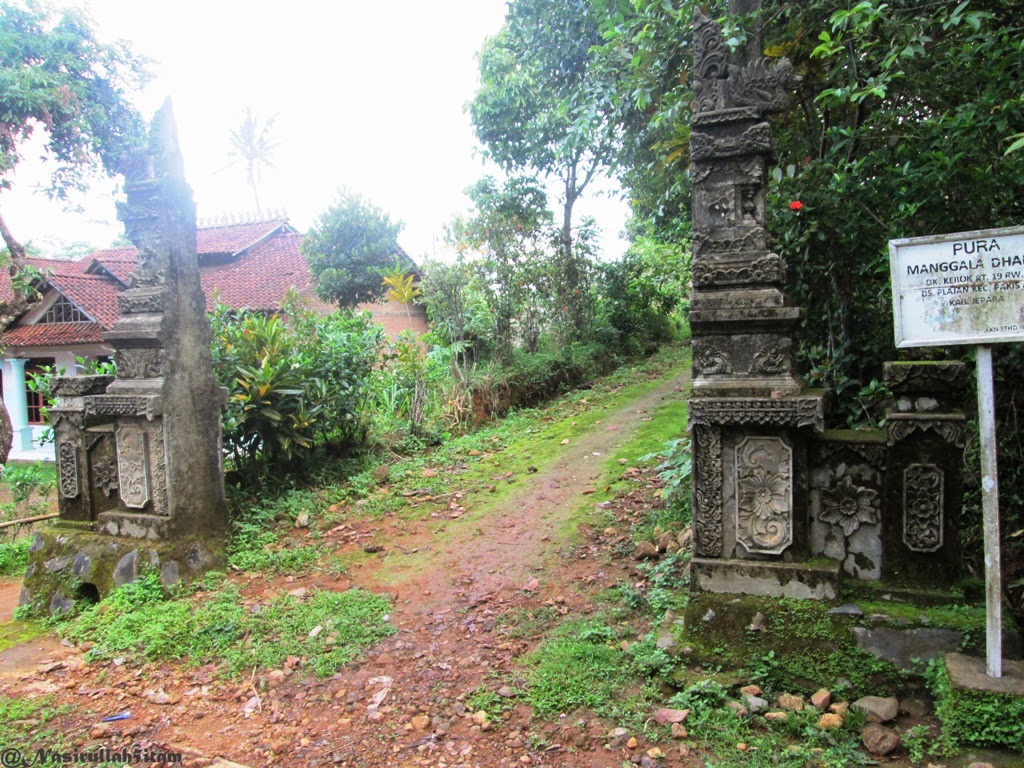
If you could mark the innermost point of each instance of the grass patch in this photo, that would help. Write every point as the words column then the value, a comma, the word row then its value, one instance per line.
column 14, row 632
column 14, row 557
column 325, row 629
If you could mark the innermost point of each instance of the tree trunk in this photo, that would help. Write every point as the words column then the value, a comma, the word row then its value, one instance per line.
column 11, row 309
column 14, row 248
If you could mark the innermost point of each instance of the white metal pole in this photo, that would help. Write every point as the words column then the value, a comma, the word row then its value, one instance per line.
column 990, row 514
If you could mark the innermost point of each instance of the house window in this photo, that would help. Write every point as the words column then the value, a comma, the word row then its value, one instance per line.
column 35, row 402
column 63, row 311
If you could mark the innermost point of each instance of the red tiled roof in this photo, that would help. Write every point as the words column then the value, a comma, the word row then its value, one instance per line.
column 260, row 279
column 53, row 334
column 232, row 238
column 267, row 262
column 96, row 295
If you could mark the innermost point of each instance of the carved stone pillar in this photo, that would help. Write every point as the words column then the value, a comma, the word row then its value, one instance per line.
column 749, row 415
column 926, row 434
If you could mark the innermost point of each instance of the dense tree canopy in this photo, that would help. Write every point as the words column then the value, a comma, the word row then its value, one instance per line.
column 542, row 110
column 57, row 78
column 348, row 247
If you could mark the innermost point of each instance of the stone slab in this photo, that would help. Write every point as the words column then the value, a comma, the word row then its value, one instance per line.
column 769, row 579
column 968, row 673
column 902, row 646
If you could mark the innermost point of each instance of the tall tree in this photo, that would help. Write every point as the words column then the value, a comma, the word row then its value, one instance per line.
column 253, row 146
column 541, row 110
column 56, row 77
column 348, row 248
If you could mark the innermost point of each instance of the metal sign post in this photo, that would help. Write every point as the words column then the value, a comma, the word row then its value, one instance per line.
column 967, row 288
column 990, row 515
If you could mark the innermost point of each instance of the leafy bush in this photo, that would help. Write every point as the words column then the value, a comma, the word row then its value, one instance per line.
column 293, row 383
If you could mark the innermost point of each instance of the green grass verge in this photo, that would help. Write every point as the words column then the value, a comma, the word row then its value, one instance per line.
column 139, row 621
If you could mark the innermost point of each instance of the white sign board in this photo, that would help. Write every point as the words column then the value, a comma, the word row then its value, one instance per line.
column 963, row 288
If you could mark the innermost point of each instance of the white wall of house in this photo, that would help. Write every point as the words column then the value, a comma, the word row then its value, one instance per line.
column 29, row 443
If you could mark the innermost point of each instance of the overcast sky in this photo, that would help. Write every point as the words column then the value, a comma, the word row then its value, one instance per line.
column 367, row 95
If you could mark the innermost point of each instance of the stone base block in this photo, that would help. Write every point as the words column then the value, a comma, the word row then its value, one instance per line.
column 770, row 579
column 69, row 568
column 979, row 710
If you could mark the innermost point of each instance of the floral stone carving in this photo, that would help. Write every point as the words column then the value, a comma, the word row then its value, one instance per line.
column 764, row 506
column 132, row 466
column 923, row 490
column 849, row 506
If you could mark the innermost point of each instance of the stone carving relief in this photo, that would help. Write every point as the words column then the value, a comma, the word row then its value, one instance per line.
column 132, row 466
column 788, row 412
column 923, row 492
column 764, row 503
column 747, row 169
column 951, row 430
column 768, row 269
column 709, row 359
column 140, row 301
column 771, row 359
column 139, row 363
column 104, row 476
column 711, row 62
column 849, row 506
column 159, row 465
column 707, row 492
column 764, row 83
column 67, row 469
column 944, row 375
column 123, row 405
column 753, row 240
column 755, row 140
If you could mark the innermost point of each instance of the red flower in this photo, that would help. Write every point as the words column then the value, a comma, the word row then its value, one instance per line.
column 795, row 205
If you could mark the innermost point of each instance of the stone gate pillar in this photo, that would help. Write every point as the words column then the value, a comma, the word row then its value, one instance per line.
column 750, row 416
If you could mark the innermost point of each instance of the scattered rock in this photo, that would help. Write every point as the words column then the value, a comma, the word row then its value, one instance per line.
column 645, row 550
column 821, row 699
column 655, row 754
column 300, row 592
column 160, row 697
column 631, row 744
column 480, row 717
column 757, row 624
column 420, row 722
column 879, row 740
column 665, row 540
column 981, row 765
column 616, row 736
column 877, row 708
column 839, row 708
column 666, row 640
column 505, row 692
column 849, row 609
column 678, row 731
column 776, row 715
column 791, row 702
column 751, row 690
column 914, row 707
column 830, row 721
column 302, row 521
column 380, row 474
column 755, row 703
column 665, row 716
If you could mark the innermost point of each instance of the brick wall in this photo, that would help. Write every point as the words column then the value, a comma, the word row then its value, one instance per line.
column 395, row 317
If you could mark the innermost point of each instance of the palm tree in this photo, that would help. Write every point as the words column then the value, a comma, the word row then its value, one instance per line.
column 253, row 146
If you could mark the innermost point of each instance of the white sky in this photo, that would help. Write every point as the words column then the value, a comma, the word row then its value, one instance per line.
column 368, row 96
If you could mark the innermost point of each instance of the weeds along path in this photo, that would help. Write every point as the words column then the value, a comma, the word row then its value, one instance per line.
column 512, row 542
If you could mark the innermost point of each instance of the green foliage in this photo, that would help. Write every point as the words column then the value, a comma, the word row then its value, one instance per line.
column 255, row 544
column 14, row 557
column 975, row 718
column 540, row 110
column 348, row 247
column 293, row 383
column 579, row 667
column 139, row 620
column 56, row 75
column 676, row 473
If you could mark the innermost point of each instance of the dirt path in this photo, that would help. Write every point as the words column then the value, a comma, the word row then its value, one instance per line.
column 454, row 593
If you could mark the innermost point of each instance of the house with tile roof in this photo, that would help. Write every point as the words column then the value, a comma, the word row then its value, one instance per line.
column 250, row 265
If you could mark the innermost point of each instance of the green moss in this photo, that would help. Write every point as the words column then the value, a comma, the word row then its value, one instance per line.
column 976, row 718
column 799, row 647
column 14, row 632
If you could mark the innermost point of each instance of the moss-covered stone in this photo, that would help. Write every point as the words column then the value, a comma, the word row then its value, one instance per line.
column 70, row 567
column 794, row 645
column 976, row 710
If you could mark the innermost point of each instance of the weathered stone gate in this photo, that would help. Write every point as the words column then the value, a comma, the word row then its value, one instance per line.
column 140, row 481
column 781, row 505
